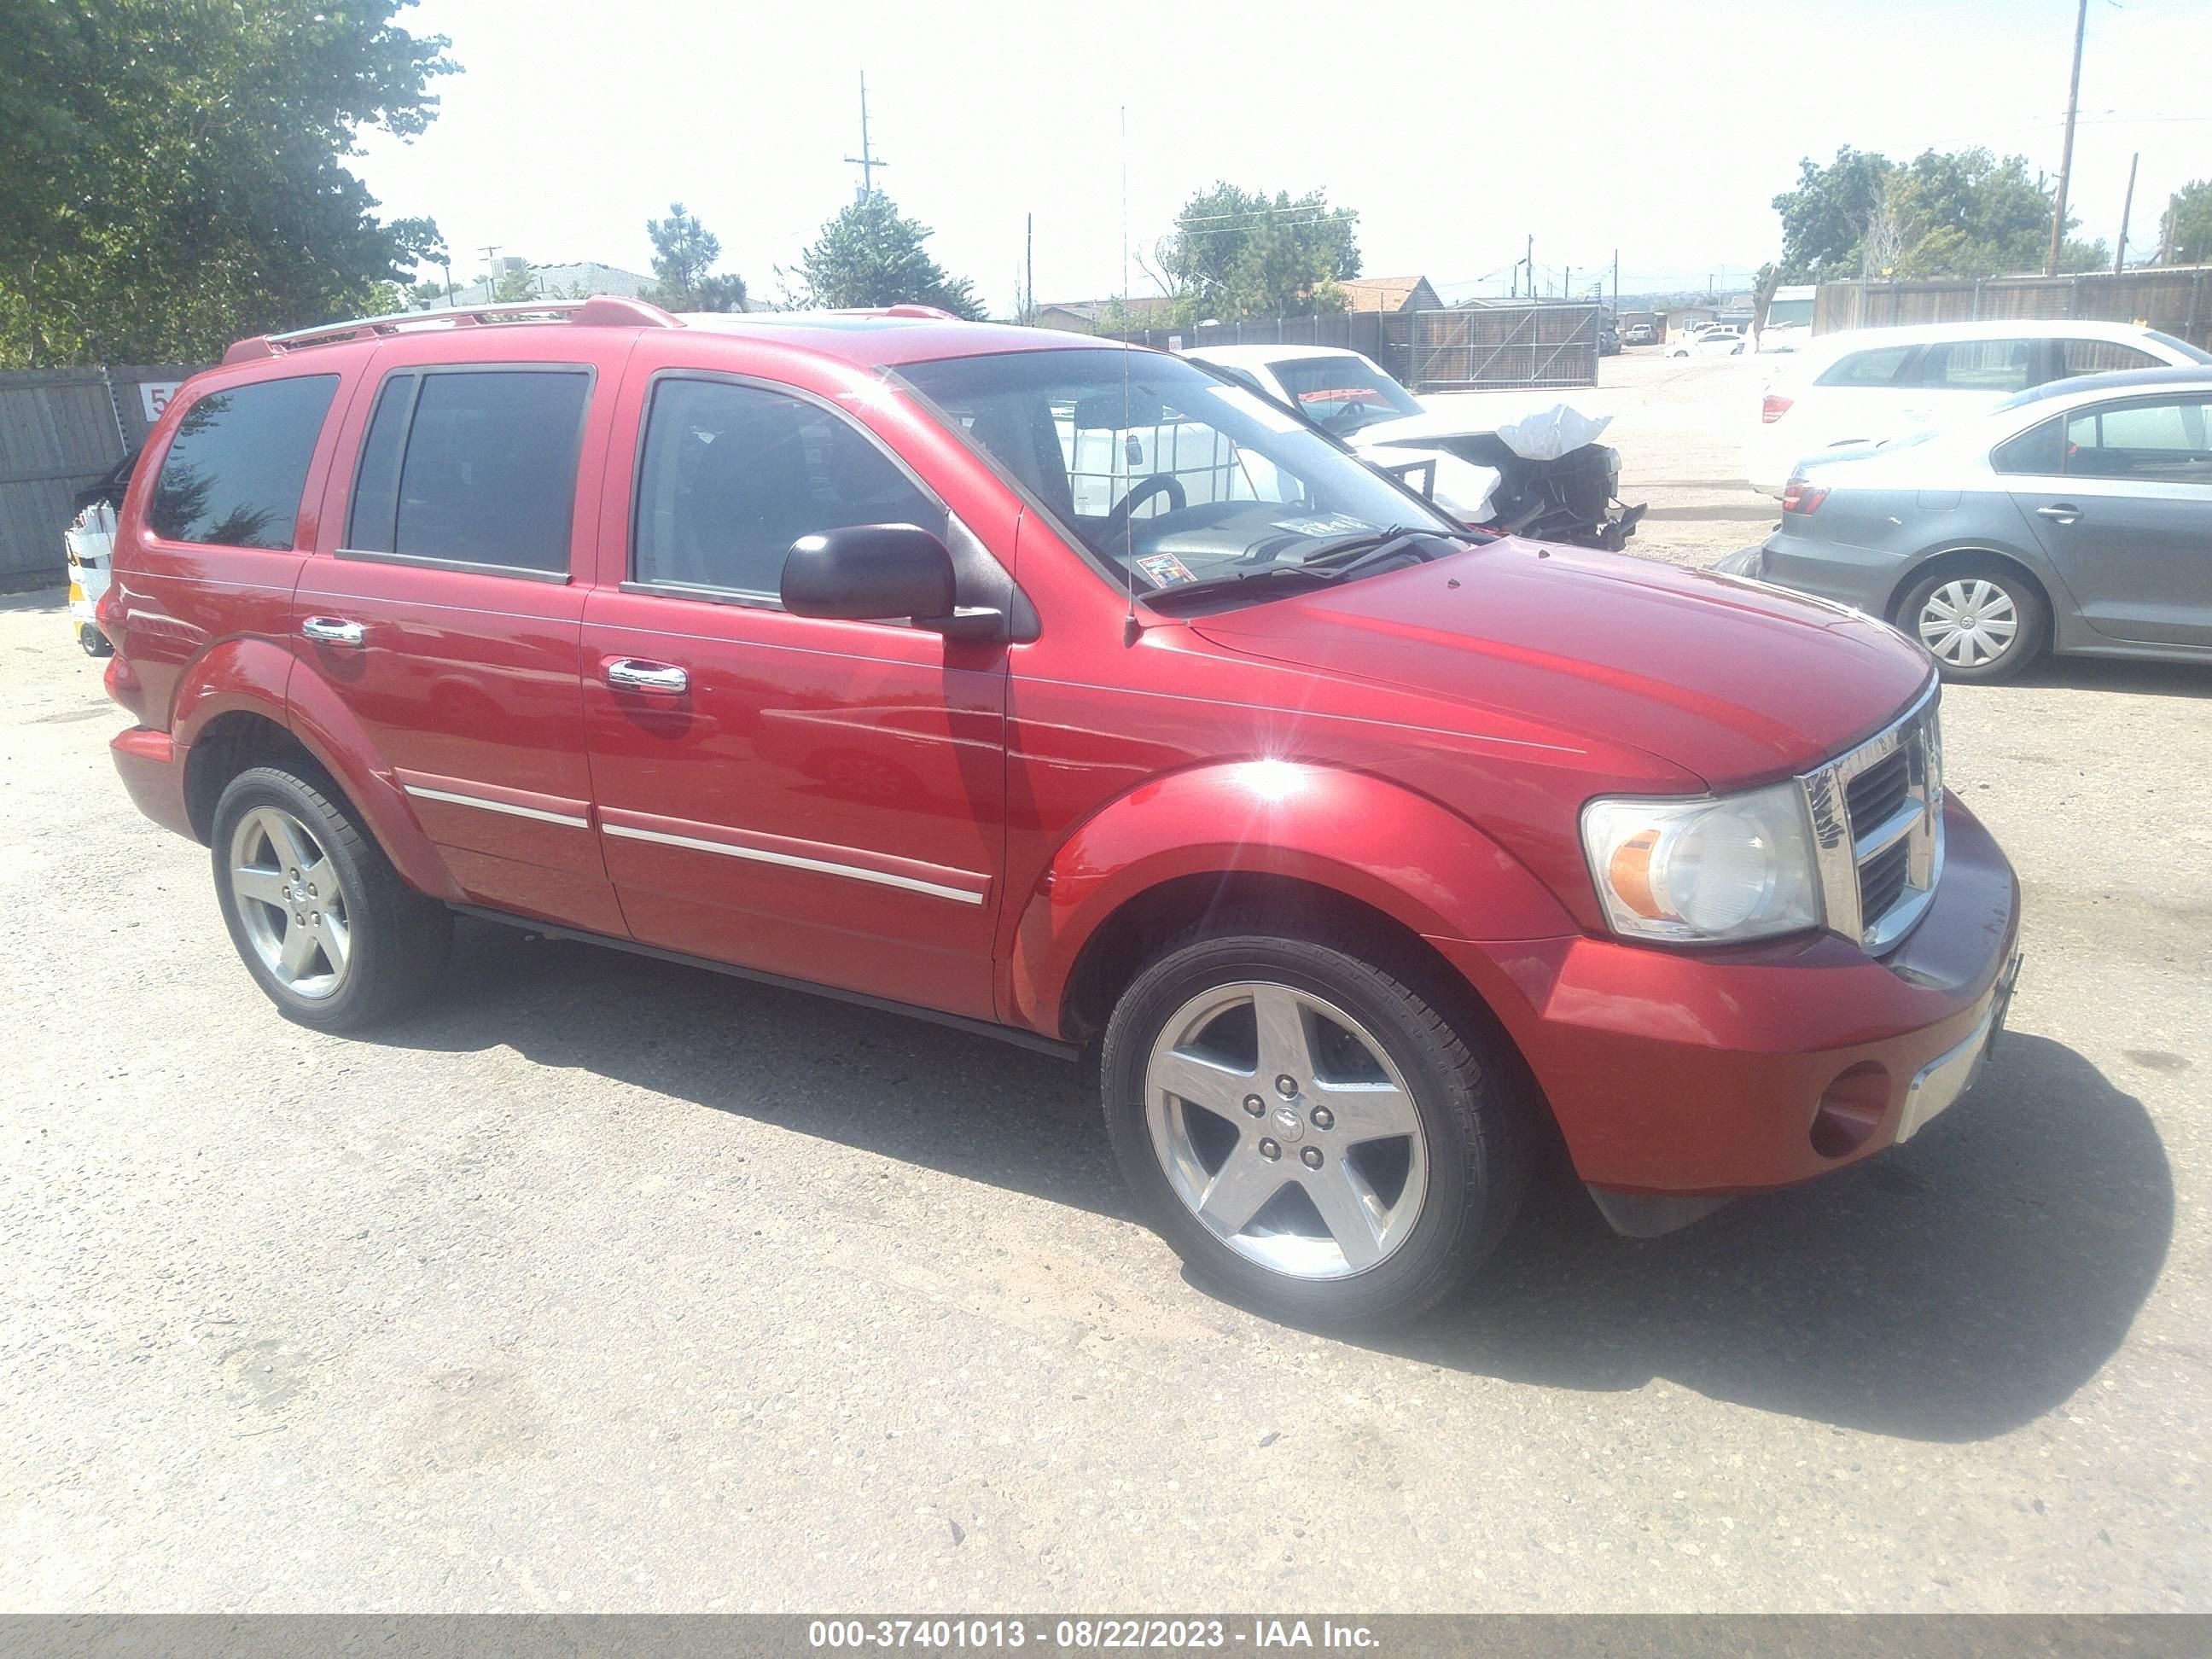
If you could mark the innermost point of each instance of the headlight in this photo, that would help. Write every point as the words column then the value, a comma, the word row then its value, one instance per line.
column 1703, row 872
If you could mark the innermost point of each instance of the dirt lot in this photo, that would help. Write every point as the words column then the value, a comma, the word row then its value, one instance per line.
column 610, row 1284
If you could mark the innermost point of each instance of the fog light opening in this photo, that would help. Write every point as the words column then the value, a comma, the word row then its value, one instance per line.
column 1850, row 1108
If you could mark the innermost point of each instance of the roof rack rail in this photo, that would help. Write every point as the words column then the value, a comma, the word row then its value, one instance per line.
column 600, row 311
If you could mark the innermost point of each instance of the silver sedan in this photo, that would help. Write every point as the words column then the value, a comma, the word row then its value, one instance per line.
column 2077, row 517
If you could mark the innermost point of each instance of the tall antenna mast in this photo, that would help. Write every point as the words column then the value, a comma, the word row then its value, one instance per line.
column 866, row 160
column 1125, row 205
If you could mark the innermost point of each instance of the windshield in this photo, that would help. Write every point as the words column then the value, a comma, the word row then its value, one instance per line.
column 1171, row 477
column 1342, row 394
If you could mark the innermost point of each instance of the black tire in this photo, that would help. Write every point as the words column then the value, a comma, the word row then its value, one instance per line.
column 1474, row 1116
column 2032, row 632
column 93, row 642
column 398, row 938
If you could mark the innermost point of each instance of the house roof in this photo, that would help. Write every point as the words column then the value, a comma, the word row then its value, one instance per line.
column 1386, row 292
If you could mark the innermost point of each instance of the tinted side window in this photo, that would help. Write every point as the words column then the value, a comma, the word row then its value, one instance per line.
column 2040, row 449
column 2005, row 365
column 733, row 475
column 2166, row 442
column 1879, row 366
column 487, row 473
column 2101, row 357
column 236, row 469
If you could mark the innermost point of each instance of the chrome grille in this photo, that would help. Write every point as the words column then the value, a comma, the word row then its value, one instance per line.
column 1878, row 828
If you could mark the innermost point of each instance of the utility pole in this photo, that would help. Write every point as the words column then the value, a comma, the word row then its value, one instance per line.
column 1616, row 282
column 866, row 160
column 1029, row 270
column 2066, row 155
column 491, row 276
column 1529, row 259
column 1567, row 282
column 2127, row 207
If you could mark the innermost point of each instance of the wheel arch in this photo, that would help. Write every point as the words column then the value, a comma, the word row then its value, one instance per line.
column 1960, row 558
column 230, row 732
column 1313, row 842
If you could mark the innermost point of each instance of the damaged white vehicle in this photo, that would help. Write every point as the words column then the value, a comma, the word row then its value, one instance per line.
column 1492, row 462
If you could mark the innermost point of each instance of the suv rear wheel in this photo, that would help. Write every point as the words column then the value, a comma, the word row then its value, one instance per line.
column 1307, row 1129
column 319, row 917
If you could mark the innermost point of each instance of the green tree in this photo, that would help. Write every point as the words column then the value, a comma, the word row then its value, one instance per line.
column 683, row 255
column 172, row 172
column 2184, row 229
column 1959, row 213
column 868, row 255
column 512, row 286
column 1236, row 252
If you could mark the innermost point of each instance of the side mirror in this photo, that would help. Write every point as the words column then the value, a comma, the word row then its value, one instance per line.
column 881, row 573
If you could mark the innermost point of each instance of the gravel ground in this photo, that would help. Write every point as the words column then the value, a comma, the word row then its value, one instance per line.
column 608, row 1285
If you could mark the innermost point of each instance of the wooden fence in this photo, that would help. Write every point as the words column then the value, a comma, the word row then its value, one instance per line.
column 60, row 429
column 2175, row 299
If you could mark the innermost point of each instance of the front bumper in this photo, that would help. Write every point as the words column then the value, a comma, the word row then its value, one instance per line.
column 1680, row 1074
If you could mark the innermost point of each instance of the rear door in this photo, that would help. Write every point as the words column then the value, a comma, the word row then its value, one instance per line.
column 817, row 798
column 443, row 611
column 1959, row 378
column 2128, row 519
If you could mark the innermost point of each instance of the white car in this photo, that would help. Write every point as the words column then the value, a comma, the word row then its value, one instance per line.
column 1524, row 462
column 1871, row 383
column 1715, row 341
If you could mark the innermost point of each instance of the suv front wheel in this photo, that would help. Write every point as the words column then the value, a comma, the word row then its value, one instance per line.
column 1309, row 1131
column 319, row 917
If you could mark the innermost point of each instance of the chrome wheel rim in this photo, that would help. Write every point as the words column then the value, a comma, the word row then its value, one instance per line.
column 290, row 903
column 1969, row 623
column 1283, row 1126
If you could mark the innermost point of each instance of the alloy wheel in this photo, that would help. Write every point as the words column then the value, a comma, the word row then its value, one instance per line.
column 1969, row 622
column 1285, row 1128
column 291, row 903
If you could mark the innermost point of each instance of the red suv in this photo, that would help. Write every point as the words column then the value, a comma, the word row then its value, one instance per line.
column 1072, row 694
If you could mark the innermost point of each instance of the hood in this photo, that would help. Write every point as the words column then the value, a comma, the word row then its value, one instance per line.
column 1536, row 428
column 1732, row 680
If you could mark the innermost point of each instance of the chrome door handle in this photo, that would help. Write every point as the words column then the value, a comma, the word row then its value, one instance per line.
column 2065, row 513
column 333, row 631
column 635, row 675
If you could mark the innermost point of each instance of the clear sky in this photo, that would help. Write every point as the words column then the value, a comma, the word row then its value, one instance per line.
column 1592, row 125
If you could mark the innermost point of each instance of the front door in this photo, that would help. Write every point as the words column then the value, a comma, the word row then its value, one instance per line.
column 815, row 798
column 2128, row 521
column 443, row 616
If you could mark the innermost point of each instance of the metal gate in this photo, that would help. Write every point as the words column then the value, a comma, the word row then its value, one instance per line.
column 1487, row 346
column 60, row 429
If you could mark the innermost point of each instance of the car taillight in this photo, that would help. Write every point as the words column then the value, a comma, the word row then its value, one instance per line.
column 1798, row 496
column 1774, row 408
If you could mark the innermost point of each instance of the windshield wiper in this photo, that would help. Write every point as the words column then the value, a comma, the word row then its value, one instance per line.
column 1335, row 562
column 1273, row 575
column 1370, row 547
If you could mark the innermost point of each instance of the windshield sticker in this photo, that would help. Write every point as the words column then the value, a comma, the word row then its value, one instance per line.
column 1165, row 569
column 1332, row 523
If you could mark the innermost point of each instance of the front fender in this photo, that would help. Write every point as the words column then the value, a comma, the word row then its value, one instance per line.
column 1372, row 841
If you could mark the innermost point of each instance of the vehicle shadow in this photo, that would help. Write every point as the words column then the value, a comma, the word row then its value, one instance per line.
column 1952, row 1290
column 2157, row 679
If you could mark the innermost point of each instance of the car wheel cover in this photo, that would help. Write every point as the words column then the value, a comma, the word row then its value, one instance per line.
column 1285, row 1128
column 291, row 905
column 1969, row 622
